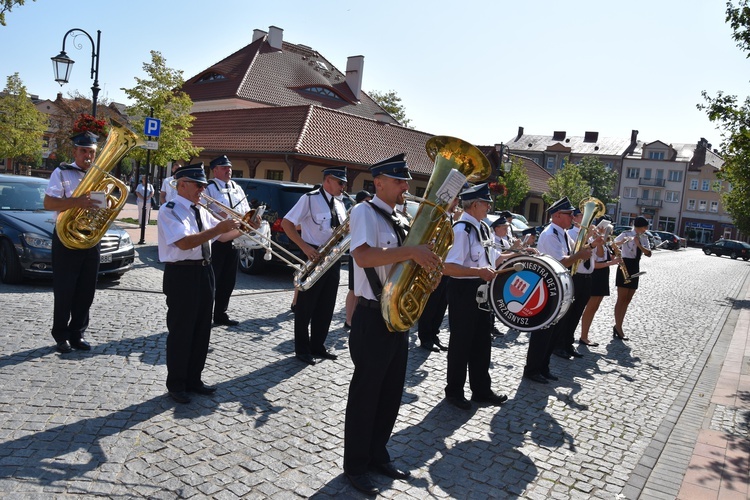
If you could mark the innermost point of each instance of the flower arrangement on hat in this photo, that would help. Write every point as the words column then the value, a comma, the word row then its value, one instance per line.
column 498, row 189
column 87, row 123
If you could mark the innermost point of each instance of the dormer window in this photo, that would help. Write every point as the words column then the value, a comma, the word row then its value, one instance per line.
column 211, row 77
column 323, row 91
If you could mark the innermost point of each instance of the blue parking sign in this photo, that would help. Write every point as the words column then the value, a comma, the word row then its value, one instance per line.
column 152, row 127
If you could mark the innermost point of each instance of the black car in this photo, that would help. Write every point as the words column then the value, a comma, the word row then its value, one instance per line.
column 26, row 234
column 728, row 247
column 279, row 197
column 669, row 241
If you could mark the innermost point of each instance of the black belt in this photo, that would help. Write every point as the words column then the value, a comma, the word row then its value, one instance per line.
column 371, row 304
column 201, row 262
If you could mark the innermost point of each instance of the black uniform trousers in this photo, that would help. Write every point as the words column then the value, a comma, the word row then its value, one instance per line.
column 74, row 274
column 379, row 358
column 470, row 340
column 224, row 260
column 433, row 314
column 581, row 294
column 190, row 297
column 314, row 308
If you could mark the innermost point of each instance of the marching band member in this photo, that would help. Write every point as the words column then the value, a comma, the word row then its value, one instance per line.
column 471, row 263
column 224, row 257
column 633, row 244
column 318, row 213
column 379, row 355
column 185, row 233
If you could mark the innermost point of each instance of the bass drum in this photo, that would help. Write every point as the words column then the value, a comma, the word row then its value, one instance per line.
column 533, row 292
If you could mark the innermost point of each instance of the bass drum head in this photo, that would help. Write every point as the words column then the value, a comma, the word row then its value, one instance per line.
column 533, row 296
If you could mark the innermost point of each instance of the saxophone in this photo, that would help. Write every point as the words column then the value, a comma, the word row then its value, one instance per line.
column 82, row 228
column 408, row 286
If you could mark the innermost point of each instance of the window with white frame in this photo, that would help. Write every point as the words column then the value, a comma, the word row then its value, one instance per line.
column 705, row 185
column 693, row 184
column 550, row 163
column 630, row 192
column 656, row 155
column 647, row 173
column 691, row 205
column 676, row 176
column 634, row 173
column 627, row 218
column 672, row 196
column 645, row 194
column 702, row 206
column 714, row 207
column 608, row 165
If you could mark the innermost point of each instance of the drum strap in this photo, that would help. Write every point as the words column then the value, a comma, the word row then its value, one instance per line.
column 401, row 231
column 468, row 227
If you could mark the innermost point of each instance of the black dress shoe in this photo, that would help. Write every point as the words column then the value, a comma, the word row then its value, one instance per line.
column 305, row 358
column 549, row 376
column 575, row 354
column 206, row 390
column 363, row 483
column 441, row 346
column 226, row 322
column 347, row 326
column 325, row 355
column 390, row 470
column 536, row 378
column 617, row 335
column 63, row 347
column 491, row 398
column 81, row 345
column 461, row 402
column 562, row 354
column 430, row 348
column 496, row 332
column 180, row 396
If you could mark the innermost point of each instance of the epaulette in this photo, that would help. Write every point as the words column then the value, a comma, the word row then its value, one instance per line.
column 67, row 166
column 170, row 204
column 313, row 192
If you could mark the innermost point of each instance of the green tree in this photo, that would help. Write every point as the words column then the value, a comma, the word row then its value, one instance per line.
column 22, row 126
column 391, row 102
column 569, row 182
column 601, row 179
column 7, row 5
column 516, row 184
column 171, row 105
column 732, row 117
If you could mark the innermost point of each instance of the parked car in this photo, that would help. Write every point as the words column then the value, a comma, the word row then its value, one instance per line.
column 731, row 248
column 654, row 240
column 278, row 197
column 670, row 241
column 26, row 234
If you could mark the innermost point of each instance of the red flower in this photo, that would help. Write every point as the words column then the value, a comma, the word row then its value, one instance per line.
column 498, row 188
column 87, row 123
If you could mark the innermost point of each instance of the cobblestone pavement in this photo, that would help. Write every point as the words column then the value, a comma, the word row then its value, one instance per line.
column 100, row 423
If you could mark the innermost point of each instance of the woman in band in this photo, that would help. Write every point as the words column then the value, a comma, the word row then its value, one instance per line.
column 633, row 244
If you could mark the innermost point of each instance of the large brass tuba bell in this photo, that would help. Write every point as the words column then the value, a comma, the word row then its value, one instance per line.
column 408, row 286
column 81, row 228
column 591, row 209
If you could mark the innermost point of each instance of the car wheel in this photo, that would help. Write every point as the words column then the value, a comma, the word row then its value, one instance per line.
column 745, row 258
column 251, row 260
column 10, row 266
column 707, row 251
column 733, row 255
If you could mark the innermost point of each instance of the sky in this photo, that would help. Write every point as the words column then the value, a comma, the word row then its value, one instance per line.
column 477, row 70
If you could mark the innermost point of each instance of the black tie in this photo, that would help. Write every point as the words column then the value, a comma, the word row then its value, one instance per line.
column 229, row 194
column 205, row 247
column 334, row 215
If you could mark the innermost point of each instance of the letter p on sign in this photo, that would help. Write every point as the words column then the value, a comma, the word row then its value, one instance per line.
column 152, row 127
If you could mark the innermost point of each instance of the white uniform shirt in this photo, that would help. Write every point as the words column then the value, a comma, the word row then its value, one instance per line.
column 228, row 193
column 177, row 220
column 64, row 181
column 629, row 250
column 150, row 193
column 170, row 193
column 573, row 235
column 469, row 248
column 554, row 242
column 313, row 215
column 370, row 228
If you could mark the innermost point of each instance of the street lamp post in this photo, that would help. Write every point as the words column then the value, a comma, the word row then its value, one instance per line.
column 62, row 64
column 502, row 152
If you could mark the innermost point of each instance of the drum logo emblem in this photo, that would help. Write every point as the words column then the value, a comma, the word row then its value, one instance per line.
column 525, row 294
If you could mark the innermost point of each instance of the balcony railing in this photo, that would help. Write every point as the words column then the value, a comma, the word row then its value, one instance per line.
column 651, row 182
column 645, row 202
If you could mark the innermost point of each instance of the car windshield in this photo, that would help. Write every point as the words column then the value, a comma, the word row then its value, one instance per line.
column 22, row 196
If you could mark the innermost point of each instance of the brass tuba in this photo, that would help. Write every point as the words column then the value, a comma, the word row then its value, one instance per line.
column 408, row 286
column 82, row 228
column 591, row 208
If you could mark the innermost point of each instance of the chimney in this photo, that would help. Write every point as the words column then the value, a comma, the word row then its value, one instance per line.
column 275, row 37
column 633, row 137
column 354, row 67
column 558, row 135
column 520, row 133
column 257, row 34
column 591, row 136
